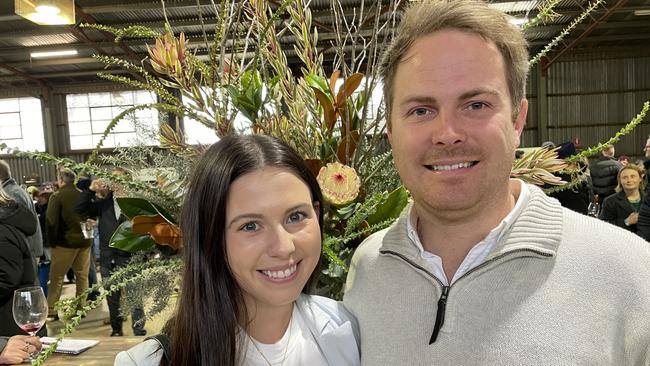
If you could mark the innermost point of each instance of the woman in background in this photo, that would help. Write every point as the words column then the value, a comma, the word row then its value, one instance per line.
column 622, row 208
column 16, row 271
column 252, row 228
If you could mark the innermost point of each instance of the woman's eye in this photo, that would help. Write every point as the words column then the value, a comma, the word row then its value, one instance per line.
column 296, row 216
column 249, row 226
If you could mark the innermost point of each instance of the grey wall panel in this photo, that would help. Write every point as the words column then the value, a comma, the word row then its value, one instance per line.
column 531, row 119
column 24, row 168
column 595, row 109
column 590, row 76
column 529, row 138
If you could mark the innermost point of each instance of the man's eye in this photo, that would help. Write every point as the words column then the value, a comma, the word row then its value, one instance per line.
column 296, row 216
column 420, row 111
column 249, row 226
column 477, row 105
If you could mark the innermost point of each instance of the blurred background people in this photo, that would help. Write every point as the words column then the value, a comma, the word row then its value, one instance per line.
column 42, row 200
column 604, row 172
column 622, row 208
column 68, row 246
column 16, row 264
column 99, row 201
column 21, row 197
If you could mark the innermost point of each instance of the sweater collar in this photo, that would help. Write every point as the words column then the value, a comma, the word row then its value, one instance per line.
column 538, row 228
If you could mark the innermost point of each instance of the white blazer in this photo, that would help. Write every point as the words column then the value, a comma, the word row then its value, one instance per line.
column 333, row 327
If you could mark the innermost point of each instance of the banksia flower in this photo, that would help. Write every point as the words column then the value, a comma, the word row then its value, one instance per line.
column 339, row 183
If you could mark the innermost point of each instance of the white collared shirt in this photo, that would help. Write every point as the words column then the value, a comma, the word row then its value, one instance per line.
column 480, row 251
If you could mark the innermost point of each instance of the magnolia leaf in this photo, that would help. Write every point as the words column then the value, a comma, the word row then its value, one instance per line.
column 391, row 207
column 347, row 146
column 124, row 239
column 333, row 79
column 132, row 207
column 328, row 109
column 347, row 89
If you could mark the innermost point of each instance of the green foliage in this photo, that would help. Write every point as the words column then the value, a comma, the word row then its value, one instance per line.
column 124, row 239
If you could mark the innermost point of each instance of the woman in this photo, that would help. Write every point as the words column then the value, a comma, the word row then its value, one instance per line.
column 16, row 271
column 252, row 231
column 622, row 208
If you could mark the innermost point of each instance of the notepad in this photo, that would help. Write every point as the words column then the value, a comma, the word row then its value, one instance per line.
column 70, row 346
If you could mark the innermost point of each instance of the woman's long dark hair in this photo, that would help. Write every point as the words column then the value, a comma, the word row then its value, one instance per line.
column 204, row 329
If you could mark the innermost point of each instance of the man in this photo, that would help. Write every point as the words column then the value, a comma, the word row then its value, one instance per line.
column 482, row 269
column 22, row 198
column 68, row 247
column 604, row 173
column 99, row 201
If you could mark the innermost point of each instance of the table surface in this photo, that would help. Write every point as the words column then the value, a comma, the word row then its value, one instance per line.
column 103, row 354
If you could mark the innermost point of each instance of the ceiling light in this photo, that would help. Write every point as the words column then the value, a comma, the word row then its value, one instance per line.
column 642, row 12
column 53, row 53
column 46, row 12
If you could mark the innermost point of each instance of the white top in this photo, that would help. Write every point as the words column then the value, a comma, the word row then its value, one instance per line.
column 301, row 349
column 480, row 251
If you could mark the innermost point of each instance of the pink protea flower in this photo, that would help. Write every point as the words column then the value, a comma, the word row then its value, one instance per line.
column 168, row 56
column 339, row 183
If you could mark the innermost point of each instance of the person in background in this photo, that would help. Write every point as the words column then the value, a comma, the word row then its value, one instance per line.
column 99, row 201
column 251, row 254
column 604, row 171
column 68, row 246
column 577, row 198
column 44, row 264
column 622, row 208
column 21, row 197
column 624, row 160
column 83, row 183
column 16, row 265
column 643, row 223
column 14, row 350
column 481, row 269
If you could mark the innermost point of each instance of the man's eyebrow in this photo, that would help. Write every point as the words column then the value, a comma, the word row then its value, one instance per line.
column 418, row 99
column 479, row 91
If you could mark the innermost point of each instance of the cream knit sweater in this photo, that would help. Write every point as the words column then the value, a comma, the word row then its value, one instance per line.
column 560, row 288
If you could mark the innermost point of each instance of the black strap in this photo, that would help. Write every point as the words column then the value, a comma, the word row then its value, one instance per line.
column 165, row 343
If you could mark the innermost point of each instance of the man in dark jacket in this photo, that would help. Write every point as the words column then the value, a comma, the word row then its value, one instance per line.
column 604, row 173
column 69, row 247
column 99, row 201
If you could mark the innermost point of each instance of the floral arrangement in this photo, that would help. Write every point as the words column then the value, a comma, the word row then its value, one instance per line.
column 328, row 119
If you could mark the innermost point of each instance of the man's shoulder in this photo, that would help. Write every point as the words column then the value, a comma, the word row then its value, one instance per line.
column 369, row 248
column 604, row 239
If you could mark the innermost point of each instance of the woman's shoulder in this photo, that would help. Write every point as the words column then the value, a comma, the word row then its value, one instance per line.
column 332, row 309
column 147, row 353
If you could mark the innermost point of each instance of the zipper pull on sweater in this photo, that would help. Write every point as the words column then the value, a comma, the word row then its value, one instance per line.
column 440, row 314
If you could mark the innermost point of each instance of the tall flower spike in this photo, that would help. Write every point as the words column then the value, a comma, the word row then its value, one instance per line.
column 339, row 183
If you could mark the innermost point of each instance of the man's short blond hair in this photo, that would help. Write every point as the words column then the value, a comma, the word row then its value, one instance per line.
column 472, row 16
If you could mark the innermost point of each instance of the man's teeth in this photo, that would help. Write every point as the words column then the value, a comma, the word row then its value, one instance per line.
column 281, row 274
column 452, row 166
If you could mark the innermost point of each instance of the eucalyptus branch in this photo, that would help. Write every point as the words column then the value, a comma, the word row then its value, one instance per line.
column 119, row 280
column 565, row 32
column 132, row 31
column 545, row 12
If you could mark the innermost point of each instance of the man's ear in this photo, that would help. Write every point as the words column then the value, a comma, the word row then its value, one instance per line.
column 520, row 121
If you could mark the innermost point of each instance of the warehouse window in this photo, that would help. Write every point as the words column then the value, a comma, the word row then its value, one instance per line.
column 21, row 124
column 90, row 114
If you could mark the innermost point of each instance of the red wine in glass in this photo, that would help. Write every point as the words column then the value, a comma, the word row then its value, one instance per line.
column 30, row 310
column 32, row 328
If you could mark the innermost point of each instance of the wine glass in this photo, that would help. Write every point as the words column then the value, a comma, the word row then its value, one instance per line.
column 593, row 209
column 30, row 309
